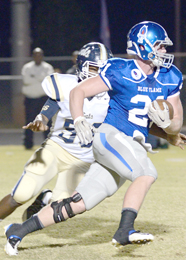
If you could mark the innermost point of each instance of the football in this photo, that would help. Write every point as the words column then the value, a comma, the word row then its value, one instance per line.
column 160, row 103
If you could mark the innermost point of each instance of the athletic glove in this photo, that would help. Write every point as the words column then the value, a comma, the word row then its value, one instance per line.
column 160, row 117
column 84, row 130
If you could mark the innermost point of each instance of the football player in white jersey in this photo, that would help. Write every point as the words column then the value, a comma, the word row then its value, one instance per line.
column 61, row 154
column 119, row 143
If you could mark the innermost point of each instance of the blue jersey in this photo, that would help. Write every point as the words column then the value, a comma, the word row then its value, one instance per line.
column 131, row 92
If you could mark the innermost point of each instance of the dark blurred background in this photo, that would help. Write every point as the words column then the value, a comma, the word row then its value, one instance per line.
column 61, row 26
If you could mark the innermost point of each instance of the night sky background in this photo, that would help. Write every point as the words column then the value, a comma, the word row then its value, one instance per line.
column 61, row 26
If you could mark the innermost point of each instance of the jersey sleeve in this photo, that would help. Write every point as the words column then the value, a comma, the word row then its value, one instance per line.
column 105, row 73
column 58, row 86
column 176, row 90
column 177, row 79
column 111, row 70
column 52, row 88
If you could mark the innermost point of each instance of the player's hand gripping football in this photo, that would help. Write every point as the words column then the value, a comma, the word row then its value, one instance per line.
column 160, row 117
column 39, row 124
column 84, row 130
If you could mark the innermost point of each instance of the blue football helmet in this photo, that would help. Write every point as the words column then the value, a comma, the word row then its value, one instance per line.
column 92, row 54
column 151, row 36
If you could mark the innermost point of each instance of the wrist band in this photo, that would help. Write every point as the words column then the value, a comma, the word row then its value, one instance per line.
column 39, row 117
column 78, row 118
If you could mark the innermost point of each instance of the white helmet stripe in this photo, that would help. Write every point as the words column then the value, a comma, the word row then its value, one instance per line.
column 103, row 52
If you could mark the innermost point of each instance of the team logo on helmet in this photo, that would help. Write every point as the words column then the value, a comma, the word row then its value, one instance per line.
column 142, row 34
column 85, row 52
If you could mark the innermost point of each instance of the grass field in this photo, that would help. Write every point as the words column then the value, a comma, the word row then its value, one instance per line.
column 88, row 236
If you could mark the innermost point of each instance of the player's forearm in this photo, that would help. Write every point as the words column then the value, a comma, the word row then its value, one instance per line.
column 174, row 139
column 50, row 108
column 76, row 102
column 157, row 131
column 177, row 121
column 175, row 126
column 87, row 88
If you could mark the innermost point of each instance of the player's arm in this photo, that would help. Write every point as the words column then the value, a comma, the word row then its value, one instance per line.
column 177, row 121
column 87, row 88
column 176, row 139
column 47, row 112
column 161, row 117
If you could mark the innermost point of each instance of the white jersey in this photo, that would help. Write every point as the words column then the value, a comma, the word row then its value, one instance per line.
column 58, row 87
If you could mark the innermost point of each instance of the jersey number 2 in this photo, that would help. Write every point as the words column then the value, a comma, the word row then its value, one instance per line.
column 138, row 115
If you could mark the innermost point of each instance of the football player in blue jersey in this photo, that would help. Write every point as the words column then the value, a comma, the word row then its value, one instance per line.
column 119, row 144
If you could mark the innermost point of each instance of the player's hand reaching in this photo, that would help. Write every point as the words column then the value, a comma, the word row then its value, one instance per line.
column 84, row 130
column 39, row 124
column 177, row 140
